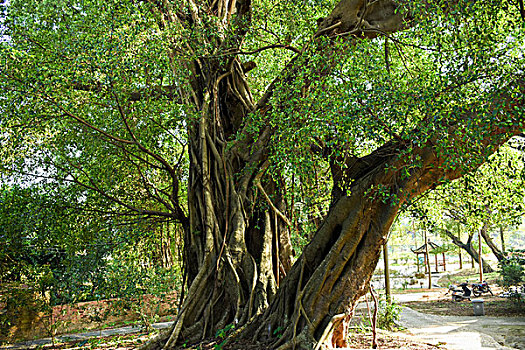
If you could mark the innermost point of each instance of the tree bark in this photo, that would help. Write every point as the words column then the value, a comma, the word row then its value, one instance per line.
column 238, row 241
column 501, row 231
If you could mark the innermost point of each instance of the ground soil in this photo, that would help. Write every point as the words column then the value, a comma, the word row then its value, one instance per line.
column 430, row 301
column 493, row 306
column 386, row 341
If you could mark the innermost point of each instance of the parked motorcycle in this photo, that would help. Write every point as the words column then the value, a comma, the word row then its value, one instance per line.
column 480, row 288
column 461, row 292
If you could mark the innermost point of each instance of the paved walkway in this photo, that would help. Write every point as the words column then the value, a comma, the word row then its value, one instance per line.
column 463, row 332
column 466, row 332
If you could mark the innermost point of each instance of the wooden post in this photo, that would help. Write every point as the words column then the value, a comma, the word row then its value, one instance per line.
column 387, row 273
column 459, row 248
column 428, row 262
column 444, row 262
column 436, row 262
column 480, row 258
column 472, row 260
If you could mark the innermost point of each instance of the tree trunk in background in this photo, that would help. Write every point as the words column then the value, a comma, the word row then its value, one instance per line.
column 480, row 261
column 164, row 246
column 502, row 240
column 490, row 242
column 459, row 248
column 469, row 248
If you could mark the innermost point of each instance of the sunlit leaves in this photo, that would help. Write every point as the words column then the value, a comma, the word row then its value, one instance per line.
column 99, row 91
column 87, row 85
column 491, row 195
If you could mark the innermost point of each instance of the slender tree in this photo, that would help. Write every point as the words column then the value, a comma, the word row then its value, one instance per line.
column 202, row 111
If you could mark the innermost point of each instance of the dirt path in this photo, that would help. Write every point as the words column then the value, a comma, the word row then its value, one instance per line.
column 82, row 336
column 463, row 332
column 452, row 332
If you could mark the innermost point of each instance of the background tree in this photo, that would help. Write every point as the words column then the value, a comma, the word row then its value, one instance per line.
column 68, row 256
column 491, row 197
column 232, row 98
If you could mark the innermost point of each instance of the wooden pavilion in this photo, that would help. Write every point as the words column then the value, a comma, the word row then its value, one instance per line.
column 434, row 249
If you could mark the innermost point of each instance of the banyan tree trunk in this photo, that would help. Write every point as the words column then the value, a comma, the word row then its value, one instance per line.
column 236, row 246
column 335, row 268
column 236, row 238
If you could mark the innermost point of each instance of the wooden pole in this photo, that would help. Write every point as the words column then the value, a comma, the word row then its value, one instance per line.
column 444, row 262
column 480, row 258
column 387, row 273
column 374, row 318
column 459, row 248
column 428, row 262
column 471, row 257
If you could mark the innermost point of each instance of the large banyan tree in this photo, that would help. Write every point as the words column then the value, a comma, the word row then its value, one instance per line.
column 213, row 113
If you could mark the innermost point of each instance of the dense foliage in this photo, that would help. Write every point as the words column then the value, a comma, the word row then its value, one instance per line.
column 92, row 96
column 513, row 269
column 68, row 257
